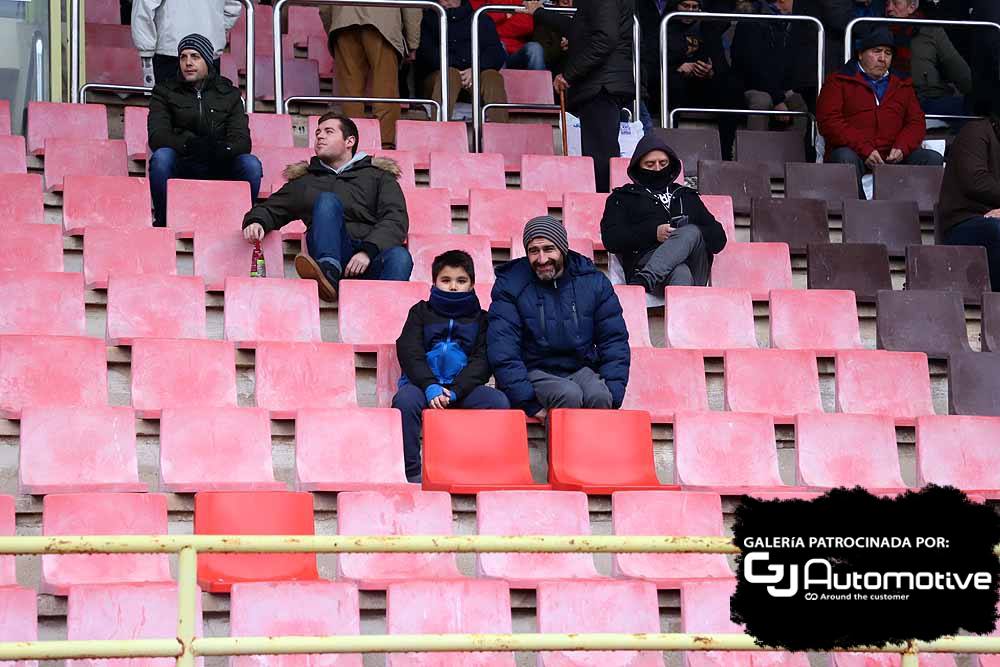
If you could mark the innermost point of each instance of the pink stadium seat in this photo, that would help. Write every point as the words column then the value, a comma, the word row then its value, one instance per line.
column 12, row 160
column 65, row 157
column 51, row 120
column 300, row 76
column 387, row 373
column 781, row 383
column 670, row 381
column 154, row 306
column 847, row 450
column 598, row 606
column 273, row 130
column 402, row 512
column 959, row 451
column 582, row 213
column 182, row 374
column 459, row 173
column 4, row 117
column 136, row 132
column 513, row 140
column 726, row 452
column 214, row 205
column 216, row 449
column 668, row 513
column 369, row 131
column 820, row 320
column 757, row 267
column 102, row 11
column 633, row 300
column 884, row 383
column 425, row 247
column 21, row 197
column 557, row 175
column 406, row 161
column 721, row 206
column 372, row 313
column 303, row 23
column 299, row 376
column 709, row 319
column 459, row 607
column 107, row 201
column 421, row 137
column 299, row 608
column 620, row 177
column 852, row 659
column 366, row 451
column 584, row 247
column 19, row 618
column 527, row 86
column 113, row 64
column 253, row 513
column 276, row 310
column 317, row 49
column 74, row 450
column 8, row 575
column 137, row 250
column 47, row 304
column 34, row 373
column 107, row 34
column 223, row 252
column 499, row 463
column 533, row 513
column 429, row 210
column 33, row 248
column 501, row 214
column 103, row 514
column 274, row 161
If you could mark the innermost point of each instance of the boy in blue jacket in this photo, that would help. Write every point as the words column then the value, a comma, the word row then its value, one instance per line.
column 442, row 353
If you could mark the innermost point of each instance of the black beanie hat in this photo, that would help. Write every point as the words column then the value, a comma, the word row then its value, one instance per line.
column 198, row 43
column 875, row 37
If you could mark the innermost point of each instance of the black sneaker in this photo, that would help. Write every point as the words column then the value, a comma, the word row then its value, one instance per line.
column 641, row 280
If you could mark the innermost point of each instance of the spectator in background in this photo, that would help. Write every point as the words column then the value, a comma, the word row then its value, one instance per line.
column 492, row 58
column 158, row 26
column 835, row 15
column 353, row 208
column 650, row 14
column 515, row 30
column 368, row 44
column 198, row 128
column 556, row 336
column 551, row 30
column 869, row 8
column 869, row 115
column 125, row 11
column 442, row 353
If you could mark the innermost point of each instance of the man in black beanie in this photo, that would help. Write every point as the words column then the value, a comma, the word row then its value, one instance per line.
column 198, row 127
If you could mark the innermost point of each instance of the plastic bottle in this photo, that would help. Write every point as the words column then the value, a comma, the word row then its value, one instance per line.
column 257, row 266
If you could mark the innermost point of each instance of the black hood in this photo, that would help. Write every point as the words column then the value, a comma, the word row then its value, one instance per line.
column 654, row 142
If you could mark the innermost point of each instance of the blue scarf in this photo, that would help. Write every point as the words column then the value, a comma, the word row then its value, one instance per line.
column 454, row 305
column 879, row 86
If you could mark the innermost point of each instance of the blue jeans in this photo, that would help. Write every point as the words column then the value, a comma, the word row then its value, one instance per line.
column 530, row 56
column 165, row 164
column 410, row 401
column 330, row 243
column 983, row 232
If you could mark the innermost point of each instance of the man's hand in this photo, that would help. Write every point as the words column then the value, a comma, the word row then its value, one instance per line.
column 704, row 69
column 995, row 213
column 874, row 159
column 663, row 232
column 358, row 265
column 532, row 6
column 560, row 84
column 253, row 233
column 687, row 69
column 440, row 402
column 541, row 414
column 465, row 76
column 895, row 155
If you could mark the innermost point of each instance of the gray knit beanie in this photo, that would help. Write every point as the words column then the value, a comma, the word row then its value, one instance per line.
column 546, row 227
column 199, row 43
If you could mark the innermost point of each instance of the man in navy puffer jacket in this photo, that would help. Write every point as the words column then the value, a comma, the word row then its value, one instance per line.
column 556, row 336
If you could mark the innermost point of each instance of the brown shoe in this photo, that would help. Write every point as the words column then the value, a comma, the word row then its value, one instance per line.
column 308, row 268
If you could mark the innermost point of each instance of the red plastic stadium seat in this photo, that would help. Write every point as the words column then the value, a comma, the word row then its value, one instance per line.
column 106, row 201
column 963, row 269
column 274, row 161
column 47, row 304
column 12, row 160
column 533, row 513
column 406, row 161
column 300, row 76
column 317, row 49
column 527, row 86
column 896, row 384
column 153, row 306
column 852, row 659
column 78, row 450
column 773, row 148
column 668, row 513
column 501, row 214
column 710, row 319
column 365, row 452
column 253, row 513
column 103, row 11
column 136, row 132
column 556, row 175
column 459, row 173
column 19, row 618
column 182, row 374
column 959, row 451
column 387, row 372
column 429, row 210
column 295, row 608
column 513, row 140
column 582, row 213
column 103, row 514
column 273, row 130
column 598, row 606
column 34, row 373
column 4, row 117
column 372, row 312
column 425, row 247
column 223, row 252
column 20, row 197
column 670, row 381
column 721, row 206
column 797, row 222
column 781, row 383
column 276, row 310
column 894, row 224
column 402, row 512
column 213, row 205
column 113, row 64
column 973, row 380
column 303, row 23
column 833, row 183
column 757, row 267
column 298, row 376
column 8, row 575
column 820, row 320
column 65, row 157
column 743, row 181
column 421, row 137
column 237, row 456
column 50, row 120
column 33, row 248
column 499, row 462
column 692, row 144
column 909, row 183
column 138, row 250
column 633, row 300
column 847, row 450
column 369, row 131
column 458, row 607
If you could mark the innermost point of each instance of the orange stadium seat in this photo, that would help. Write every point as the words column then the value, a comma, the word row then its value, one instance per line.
column 670, row 381
column 556, row 175
column 422, row 137
column 871, row 382
column 428, row 210
column 154, row 306
column 213, row 205
column 65, row 157
column 222, row 252
column 962, row 269
column 136, row 250
column 459, row 173
column 115, row 202
column 797, row 222
column 21, row 197
column 959, row 451
column 372, row 312
column 12, row 159
column 51, row 120
column 861, row 267
column 974, row 383
column 514, row 140
column 34, row 373
column 847, row 450
column 425, row 247
column 820, row 320
column 710, row 319
column 894, row 224
column 182, row 374
column 743, row 181
column 46, row 304
column 276, row 310
column 781, row 383
column 928, row 321
column 298, row 376
column 757, row 267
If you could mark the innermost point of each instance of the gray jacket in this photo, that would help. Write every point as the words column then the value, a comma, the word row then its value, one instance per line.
column 157, row 25
column 936, row 63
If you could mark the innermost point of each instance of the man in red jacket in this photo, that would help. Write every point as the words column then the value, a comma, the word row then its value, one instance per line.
column 515, row 30
column 869, row 114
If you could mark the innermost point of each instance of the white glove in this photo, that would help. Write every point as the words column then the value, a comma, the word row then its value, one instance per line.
column 148, row 79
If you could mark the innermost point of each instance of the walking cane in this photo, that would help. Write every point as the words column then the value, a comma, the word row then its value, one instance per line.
column 562, row 121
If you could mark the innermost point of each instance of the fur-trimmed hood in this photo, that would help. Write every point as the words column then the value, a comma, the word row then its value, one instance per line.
column 299, row 169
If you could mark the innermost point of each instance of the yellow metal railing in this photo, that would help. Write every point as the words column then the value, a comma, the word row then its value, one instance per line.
column 186, row 647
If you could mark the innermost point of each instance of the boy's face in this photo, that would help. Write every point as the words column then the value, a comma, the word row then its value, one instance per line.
column 453, row 279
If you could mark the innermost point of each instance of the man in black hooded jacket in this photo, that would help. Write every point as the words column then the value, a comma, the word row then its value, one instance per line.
column 660, row 230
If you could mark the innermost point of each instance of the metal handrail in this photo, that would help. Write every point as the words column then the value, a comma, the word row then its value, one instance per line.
column 390, row 100
column 665, row 116
column 280, row 102
column 38, row 47
column 751, row 112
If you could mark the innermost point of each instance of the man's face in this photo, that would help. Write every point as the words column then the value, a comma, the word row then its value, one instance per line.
column 655, row 161
column 545, row 258
column 784, row 6
column 899, row 9
column 453, row 279
column 689, row 6
column 330, row 143
column 193, row 66
column 876, row 61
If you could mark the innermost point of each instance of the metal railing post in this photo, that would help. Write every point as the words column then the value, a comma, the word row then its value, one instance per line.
column 74, row 51
column 636, row 65
column 248, row 11
column 187, row 604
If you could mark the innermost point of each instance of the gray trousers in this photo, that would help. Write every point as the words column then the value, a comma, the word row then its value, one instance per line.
column 680, row 260
column 582, row 389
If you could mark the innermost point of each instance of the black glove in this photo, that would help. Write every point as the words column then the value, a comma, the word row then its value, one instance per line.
column 199, row 148
column 222, row 153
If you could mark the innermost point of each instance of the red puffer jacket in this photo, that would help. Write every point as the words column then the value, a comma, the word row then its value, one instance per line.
column 850, row 115
column 515, row 30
